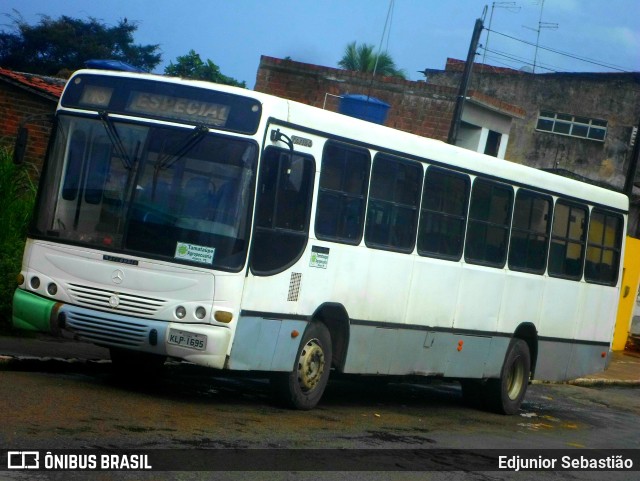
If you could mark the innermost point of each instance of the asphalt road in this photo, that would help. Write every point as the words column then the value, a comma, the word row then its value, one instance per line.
column 80, row 404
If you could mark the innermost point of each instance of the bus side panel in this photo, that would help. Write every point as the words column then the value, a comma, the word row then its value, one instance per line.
column 597, row 313
column 522, row 301
column 559, row 309
column 479, row 298
column 587, row 359
column 375, row 350
column 265, row 344
column 434, row 291
column 561, row 361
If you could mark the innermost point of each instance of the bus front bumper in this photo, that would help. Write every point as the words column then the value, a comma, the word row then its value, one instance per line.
column 201, row 344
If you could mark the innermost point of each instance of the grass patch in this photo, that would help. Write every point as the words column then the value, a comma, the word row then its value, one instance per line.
column 17, row 198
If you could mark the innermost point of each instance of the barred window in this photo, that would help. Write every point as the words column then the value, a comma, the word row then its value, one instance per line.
column 572, row 125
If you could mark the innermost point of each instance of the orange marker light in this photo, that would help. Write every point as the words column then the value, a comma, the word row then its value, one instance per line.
column 294, row 334
column 460, row 344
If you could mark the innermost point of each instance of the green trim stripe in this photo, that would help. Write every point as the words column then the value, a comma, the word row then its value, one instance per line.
column 31, row 312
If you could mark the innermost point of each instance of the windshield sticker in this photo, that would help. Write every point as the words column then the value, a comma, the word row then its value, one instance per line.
column 319, row 257
column 195, row 253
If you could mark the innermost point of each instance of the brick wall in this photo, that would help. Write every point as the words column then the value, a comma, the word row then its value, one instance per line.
column 18, row 105
column 415, row 107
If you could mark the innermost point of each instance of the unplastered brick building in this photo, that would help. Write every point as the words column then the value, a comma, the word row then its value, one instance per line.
column 28, row 100
column 417, row 107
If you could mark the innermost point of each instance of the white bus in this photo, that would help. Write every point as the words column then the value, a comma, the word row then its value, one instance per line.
column 241, row 231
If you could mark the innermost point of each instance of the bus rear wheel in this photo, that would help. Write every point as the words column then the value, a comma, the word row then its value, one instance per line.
column 303, row 387
column 505, row 395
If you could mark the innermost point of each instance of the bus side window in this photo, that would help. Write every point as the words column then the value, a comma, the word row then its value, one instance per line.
column 443, row 213
column 603, row 249
column 566, row 254
column 530, row 232
column 283, row 208
column 489, row 222
column 392, row 217
column 342, row 193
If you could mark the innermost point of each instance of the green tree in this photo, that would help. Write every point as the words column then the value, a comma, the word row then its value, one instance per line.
column 66, row 43
column 362, row 58
column 191, row 66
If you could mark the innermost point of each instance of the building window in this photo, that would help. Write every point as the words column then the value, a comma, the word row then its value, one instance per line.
column 572, row 125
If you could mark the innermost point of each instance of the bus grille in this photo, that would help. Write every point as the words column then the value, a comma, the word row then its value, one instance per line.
column 127, row 303
column 99, row 329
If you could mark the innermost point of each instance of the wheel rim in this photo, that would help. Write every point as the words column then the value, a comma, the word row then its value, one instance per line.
column 310, row 365
column 515, row 379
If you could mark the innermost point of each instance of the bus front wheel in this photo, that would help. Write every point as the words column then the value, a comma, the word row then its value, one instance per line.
column 302, row 388
column 505, row 395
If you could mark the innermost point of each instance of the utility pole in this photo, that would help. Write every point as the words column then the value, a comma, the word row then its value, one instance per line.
column 464, row 82
column 633, row 166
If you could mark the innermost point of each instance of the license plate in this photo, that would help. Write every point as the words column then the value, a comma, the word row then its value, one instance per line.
column 187, row 339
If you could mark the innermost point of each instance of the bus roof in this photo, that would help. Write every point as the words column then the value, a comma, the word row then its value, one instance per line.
column 379, row 137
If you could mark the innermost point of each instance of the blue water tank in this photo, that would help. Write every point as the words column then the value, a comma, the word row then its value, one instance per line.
column 364, row 107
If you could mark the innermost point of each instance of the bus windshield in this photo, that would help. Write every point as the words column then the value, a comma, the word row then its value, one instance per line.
column 181, row 194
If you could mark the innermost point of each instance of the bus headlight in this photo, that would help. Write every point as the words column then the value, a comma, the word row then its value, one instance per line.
column 35, row 282
column 52, row 289
column 181, row 312
column 201, row 312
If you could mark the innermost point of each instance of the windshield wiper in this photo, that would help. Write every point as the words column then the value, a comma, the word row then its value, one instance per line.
column 115, row 139
column 167, row 160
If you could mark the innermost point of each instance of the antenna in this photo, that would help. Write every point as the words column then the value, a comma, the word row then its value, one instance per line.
column 541, row 25
column 511, row 7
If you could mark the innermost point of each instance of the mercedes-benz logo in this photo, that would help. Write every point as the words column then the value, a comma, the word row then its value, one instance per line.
column 117, row 276
column 114, row 301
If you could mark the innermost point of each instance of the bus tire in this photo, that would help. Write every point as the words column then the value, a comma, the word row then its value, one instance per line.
column 505, row 395
column 303, row 387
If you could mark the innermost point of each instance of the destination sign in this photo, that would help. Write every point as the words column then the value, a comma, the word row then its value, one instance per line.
column 178, row 108
column 159, row 98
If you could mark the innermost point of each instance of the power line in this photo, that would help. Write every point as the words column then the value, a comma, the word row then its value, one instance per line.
column 517, row 59
column 566, row 54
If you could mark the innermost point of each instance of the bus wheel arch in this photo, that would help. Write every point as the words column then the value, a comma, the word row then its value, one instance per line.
column 528, row 333
column 335, row 317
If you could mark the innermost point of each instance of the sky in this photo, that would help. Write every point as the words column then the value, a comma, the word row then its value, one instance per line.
column 418, row 34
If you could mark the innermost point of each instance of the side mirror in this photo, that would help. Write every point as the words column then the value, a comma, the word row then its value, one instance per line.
column 21, row 145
